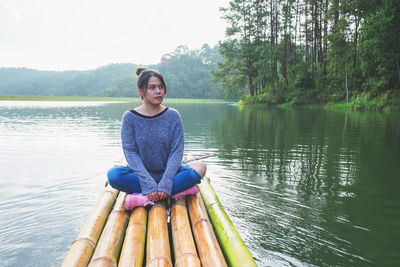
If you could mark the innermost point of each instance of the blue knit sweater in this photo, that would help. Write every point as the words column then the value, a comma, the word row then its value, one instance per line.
column 153, row 147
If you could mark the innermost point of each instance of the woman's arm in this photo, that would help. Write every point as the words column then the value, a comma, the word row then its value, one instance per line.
column 147, row 183
column 174, row 158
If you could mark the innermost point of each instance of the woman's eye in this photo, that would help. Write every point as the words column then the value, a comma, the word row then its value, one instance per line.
column 153, row 87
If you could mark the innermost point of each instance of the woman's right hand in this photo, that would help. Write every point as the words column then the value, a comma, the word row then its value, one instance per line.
column 153, row 196
column 162, row 195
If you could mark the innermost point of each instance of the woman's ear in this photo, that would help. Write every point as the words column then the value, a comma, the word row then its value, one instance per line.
column 140, row 92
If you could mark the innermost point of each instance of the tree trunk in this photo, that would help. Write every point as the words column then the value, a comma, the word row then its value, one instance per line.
column 284, row 62
column 306, row 34
column 336, row 20
column 398, row 70
column 251, row 86
column 325, row 35
column 272, row 43
column 355, row 44
column 276, row 42
column 295, row 37
column 347, row 88
column 320, row 51
column 285, row 45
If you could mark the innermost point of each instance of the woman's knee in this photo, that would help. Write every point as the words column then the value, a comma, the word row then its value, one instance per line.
column 114, row 175
column 199, row 166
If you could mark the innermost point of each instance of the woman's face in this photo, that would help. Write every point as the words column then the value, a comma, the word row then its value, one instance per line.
column 155, row 92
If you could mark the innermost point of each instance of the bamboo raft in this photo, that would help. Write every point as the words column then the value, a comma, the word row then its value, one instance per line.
column 199, row 233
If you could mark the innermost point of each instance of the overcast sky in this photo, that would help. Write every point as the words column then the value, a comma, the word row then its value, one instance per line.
column 86, row 34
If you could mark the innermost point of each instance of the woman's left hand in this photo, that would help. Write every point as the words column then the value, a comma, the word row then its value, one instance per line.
column 153, row 196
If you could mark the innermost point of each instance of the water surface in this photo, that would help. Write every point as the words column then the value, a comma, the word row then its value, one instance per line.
column 303, row 186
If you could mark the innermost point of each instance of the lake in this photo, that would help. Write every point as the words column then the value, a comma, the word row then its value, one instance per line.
column 303, row 186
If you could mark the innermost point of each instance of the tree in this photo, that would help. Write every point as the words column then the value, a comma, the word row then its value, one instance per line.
column 239, row 49
column 380, row 53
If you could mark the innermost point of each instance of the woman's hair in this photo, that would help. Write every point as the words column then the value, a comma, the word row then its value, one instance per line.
column 143, row 78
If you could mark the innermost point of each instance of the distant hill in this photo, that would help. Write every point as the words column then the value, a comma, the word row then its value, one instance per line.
column 187, row 74
column 97, row 82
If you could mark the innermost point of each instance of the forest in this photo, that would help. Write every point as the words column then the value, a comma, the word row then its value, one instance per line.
column 311, row 51
column 186, row 72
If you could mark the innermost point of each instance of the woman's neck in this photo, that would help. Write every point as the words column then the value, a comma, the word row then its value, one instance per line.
column 149, row 110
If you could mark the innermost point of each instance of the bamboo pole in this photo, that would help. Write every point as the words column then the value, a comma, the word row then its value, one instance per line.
column 132, row 253
column 207, row 244
column 110, row 242
column 82, row 248
column 158, row 250
column 235, row 251
column 184, row 247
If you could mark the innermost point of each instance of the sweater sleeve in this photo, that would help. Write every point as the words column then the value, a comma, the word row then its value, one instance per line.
column 147, row 183
column 174, row 158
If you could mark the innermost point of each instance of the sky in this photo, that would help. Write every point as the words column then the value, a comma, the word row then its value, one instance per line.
column 86, row 34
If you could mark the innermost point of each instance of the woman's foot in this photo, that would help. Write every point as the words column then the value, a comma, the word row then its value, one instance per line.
column 136, row 200
column 191, row 191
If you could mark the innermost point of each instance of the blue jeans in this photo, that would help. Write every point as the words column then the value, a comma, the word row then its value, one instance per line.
column 122, row 178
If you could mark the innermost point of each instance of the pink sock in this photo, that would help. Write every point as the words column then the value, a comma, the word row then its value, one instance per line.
column 191, row 191
column 136, row 200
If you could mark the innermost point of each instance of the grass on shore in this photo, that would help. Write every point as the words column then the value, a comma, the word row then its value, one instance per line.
column 105, row 99
column 332, row 105
column 384, row 102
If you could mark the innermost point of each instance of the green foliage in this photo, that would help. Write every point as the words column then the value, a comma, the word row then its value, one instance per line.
column 124, row 88
column 188, row 73
column 229, row 71
column 380, row 49
column 360, row 101
column 366, row 100
column 311, row 51
column 264, row 97
column 98, row 82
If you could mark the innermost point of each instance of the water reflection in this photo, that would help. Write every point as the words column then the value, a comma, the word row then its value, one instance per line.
column 316, row 177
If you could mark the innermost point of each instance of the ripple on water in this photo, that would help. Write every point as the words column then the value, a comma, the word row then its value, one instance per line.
column 29, row 220
column 281, row 221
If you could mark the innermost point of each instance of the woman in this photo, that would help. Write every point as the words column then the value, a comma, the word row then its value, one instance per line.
column 153, row 142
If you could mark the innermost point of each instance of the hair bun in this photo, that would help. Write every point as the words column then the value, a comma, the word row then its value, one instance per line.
column 139, row 70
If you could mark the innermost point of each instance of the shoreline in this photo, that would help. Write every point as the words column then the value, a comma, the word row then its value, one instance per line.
column 103, row 99
column 366, row 106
